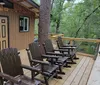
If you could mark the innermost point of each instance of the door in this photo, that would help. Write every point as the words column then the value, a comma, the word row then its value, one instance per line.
column 3, row 33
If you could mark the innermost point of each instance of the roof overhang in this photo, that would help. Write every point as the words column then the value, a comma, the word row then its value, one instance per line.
column 6, row 3
column 30, row 5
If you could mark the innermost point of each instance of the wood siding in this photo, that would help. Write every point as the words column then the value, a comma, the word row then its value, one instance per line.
column 18, row 39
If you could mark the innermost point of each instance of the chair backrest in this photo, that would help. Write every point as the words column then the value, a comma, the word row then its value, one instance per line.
column 60, row 42
column 35, row 51
column 10, row 62
column 48, row 46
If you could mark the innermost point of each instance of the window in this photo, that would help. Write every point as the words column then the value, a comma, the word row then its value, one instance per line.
column 24, row 24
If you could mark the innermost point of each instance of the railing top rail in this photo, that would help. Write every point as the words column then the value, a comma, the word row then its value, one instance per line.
column 79, row 39
column 54, row 36
column 83, row 39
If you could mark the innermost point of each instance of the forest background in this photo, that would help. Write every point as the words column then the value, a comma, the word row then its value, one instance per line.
column 76, row 18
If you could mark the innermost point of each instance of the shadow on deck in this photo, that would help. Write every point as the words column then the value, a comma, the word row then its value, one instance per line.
column 78, row 74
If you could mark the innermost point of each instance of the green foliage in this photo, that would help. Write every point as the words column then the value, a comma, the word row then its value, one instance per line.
column 73, row 20
column 73, row 15
column 36, row 26
column 76, row 15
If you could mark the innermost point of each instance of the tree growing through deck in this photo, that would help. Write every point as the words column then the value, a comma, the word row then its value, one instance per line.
column 44, row 21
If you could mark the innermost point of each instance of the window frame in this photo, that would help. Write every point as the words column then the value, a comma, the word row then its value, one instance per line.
column 28, row 25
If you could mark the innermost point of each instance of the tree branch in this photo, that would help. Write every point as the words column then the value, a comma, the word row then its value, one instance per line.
column 85, row 20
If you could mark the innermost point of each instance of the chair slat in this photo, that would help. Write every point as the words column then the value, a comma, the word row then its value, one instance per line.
column 10, row 63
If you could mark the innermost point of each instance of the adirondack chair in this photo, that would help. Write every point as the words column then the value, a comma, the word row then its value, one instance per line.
column 61, row 44
column 13, row 69
column 53, row 59
column 36, row 60
column 49, row 50
column 70, row 48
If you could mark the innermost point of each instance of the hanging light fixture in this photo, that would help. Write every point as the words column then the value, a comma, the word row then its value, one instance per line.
column 2, row 2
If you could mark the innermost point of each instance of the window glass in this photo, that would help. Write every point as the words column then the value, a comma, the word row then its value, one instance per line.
column 24, row 24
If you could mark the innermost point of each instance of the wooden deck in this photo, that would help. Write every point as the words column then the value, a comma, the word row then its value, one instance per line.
column 95, row 74
column 78, row 74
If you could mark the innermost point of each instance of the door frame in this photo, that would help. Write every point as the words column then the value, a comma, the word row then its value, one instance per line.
column 8, row 28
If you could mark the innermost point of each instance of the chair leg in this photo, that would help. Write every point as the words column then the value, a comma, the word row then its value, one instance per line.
column 56, row 76
column 67, row 65
column 46, row 81
column 75, row 57
column 1, row 81
column 72, row 62
column 32, row 74
column 60, row 71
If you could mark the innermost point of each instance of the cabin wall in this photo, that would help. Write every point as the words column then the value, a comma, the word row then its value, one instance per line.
column 18, row 39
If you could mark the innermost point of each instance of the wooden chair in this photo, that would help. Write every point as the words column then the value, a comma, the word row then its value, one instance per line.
column 49, row 49
column 70, row 48
column 36, row 60
column 13, row 69
column 57, row 60
column 62, row 44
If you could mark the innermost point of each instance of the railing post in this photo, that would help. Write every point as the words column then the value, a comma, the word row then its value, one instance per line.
column 97, row 50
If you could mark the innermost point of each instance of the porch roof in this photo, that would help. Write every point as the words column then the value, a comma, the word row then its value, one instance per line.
column 30, row 5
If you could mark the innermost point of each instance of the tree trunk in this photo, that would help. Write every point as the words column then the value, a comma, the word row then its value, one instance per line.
column 44, row 21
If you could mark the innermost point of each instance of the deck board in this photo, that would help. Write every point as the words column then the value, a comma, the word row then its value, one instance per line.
column 68, row 72
column 78, row 74
column 86, row 74
column 74, row 73
column 94, row 78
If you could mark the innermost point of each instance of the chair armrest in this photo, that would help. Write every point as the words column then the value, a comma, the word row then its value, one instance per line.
column 61, row 50
column 34, row 69
column 40, row 62
column 67, row 45
column 70, row 46
column 50, row 56
column 52, row 53
column 30, row 68
column 10, row 78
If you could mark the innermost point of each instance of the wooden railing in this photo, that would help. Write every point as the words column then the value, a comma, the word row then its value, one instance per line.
column 55, row 36
column 77, row 39
column 96, row 41
column 52, row 35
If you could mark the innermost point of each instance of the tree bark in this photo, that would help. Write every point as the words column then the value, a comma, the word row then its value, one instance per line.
column 44, row 21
